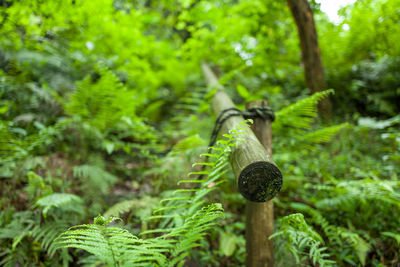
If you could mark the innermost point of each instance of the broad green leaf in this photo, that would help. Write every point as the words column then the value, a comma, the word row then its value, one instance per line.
column 242, row 91
column 227, row 243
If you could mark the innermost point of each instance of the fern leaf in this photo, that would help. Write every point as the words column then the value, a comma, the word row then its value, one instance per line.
column 120, row 208
column 99, row 179
column 47, row 233
column 393, row 235
column 57, row 200
column 107, row 243
column 144, row 205
column 300, row 115
column 336, row 234
column 185, row 221
column 323, row 135
column 191, row 181
column 347, row 194
column 301, row 237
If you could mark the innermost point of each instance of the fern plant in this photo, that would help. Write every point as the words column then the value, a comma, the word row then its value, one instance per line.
column 338, row 208
column 300, row 115
column 32, row 234
column 102, row 103
column 184, row 218
column 99, row 179
column 339, row 237
column 299, row 239
column 60, row 201
column 296, row 121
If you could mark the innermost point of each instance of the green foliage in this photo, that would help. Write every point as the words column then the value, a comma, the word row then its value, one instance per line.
column 340, row 207
column 347, row 194
column 101, row 112
column 103, row 103
column 361, row 58
column 141, row 208
column 33, row 237
column 301, row 114
column 184, row 212
column 227, row 243
column 300, row 239
column 47, row 233
column 338, row 236
column 323, row 135
column 109, row 244
column 296, row 121
column 59, row 201
column 98, row 179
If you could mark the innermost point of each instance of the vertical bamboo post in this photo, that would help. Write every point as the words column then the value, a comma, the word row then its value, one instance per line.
column 260, row 216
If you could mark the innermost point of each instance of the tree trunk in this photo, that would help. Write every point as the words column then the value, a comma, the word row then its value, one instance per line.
column 314, row 71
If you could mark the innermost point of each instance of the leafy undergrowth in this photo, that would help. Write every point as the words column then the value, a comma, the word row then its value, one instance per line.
column 107, row 113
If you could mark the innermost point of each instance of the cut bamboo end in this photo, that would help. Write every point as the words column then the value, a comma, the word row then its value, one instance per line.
column 260, row 181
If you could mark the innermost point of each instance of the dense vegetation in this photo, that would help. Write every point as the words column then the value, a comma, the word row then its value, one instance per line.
column 104, row 110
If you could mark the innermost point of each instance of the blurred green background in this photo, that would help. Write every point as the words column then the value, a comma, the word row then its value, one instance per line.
column 103, row 103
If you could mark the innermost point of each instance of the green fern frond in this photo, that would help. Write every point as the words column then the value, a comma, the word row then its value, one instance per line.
column 300, row 237
column 99, row 179
column 21, row 222
column 57, row 200
column 11, row 147
column 323, row 135
column 218, row 167
column 144, row 205
column 117, row 247
column 300, row 115
column 360, row 246
column 46, row 234
column 120, row 208
column 335, row 234
column 194, row 101
column 330, row 231
column 188, row 143
column 102, row 103
column 193, row 231
column 89, row 261
column 347, row 194
column 87, row 171
column 185, row 219
column 392, row 235
column 109, row 244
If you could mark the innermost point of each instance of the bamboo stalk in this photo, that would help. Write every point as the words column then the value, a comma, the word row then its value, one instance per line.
column 258, row 178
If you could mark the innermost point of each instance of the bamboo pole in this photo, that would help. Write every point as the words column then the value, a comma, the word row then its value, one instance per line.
column 258, row 178
column 260, row 216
